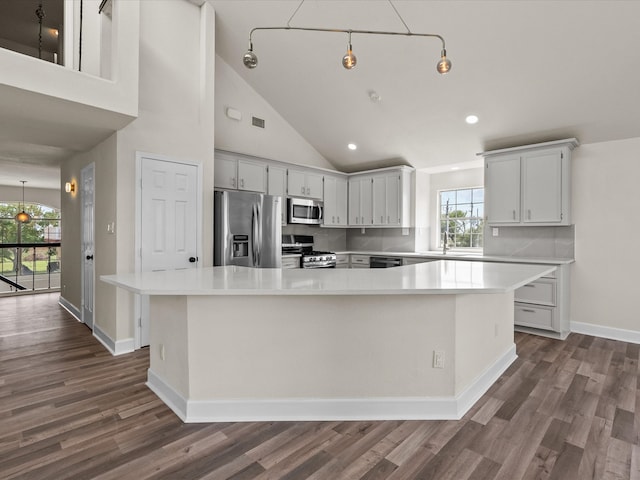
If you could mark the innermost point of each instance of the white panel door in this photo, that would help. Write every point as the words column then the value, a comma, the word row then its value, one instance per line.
column 169, row 216
column 87, row 182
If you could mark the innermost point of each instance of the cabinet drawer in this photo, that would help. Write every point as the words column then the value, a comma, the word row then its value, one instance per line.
column 536, row 317
column 541, row 292
column 360, row 260
column 342, row 260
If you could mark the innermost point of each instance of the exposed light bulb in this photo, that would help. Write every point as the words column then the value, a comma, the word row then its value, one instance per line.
column 444, row 65
column 471, row 119
column 352, row 146
column 250, row 59
column 349, row 60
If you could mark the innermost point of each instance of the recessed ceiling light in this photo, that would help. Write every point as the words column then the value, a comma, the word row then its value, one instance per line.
column 352, row 146
column 471, row 119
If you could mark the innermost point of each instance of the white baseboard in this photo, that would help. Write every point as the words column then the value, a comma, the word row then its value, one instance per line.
column 115, row 347
column 631, row 336
column 326, row 409
column 70, row 307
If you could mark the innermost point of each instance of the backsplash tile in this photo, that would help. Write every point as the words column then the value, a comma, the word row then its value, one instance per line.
column 531, row 242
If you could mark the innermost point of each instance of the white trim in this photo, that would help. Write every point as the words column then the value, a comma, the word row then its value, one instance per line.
column 69, row 307
column 115, row 348
column 326, row 409
column 630, row 336
column 137, row 308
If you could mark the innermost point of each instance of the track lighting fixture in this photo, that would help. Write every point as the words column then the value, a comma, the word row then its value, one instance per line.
column 250, row 59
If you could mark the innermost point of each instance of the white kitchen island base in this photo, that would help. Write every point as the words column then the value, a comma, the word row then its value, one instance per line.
column 244, row 344
column 327, row 357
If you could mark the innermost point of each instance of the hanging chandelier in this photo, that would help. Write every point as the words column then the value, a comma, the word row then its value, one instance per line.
column 250, row 59
column 23, row 217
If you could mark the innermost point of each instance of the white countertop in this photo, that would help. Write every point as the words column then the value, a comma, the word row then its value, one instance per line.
column 440, row 277
column 453, row 255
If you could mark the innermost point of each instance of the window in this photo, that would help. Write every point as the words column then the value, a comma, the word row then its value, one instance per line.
column 44, row 228
column 461, row 217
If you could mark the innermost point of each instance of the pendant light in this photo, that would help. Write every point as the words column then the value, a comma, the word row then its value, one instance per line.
column 250, row 59
column 23, row 217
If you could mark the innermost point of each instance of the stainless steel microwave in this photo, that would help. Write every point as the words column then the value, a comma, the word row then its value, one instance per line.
column 303, row 210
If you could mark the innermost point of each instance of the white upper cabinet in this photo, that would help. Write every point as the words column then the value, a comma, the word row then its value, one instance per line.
column 335, row 201
column 502, row 189
column 304, row 184
column 529, row 185
column 542, row 188
column 225, row 173
column 360, row 201
column 236, row 172
column 381, row 199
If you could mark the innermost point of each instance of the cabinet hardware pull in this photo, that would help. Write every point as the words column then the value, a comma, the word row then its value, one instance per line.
column 530, row 286
column 233, row 182
column 338, row 219
column 302, row 190
column 242, row 183
column 514, row 214
column 528, row 310
column 388, row 219
column 381, row 219
column 529, row 214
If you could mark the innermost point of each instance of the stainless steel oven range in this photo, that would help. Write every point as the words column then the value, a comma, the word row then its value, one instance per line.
column 310, row 258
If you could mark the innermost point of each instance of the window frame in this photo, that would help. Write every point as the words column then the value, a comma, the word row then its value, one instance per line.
column 439, row 218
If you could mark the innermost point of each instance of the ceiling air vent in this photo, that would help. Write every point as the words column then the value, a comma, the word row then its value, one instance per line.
column 257, row 122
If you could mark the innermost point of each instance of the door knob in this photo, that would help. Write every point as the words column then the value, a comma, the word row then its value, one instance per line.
column 193, row 259
column 89, row 257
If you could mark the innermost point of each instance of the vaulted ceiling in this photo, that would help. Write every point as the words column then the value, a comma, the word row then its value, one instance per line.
column 531, row 71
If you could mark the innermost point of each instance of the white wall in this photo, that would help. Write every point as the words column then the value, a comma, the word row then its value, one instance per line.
column 44, row 196
column 605, row 201
column 277, row 141
column 175, row 120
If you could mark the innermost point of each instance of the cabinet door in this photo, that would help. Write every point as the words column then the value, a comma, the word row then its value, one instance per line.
column 252, row 176
column 296, row 183
column 354, row 201
column 542, row 187
column 314, row 185
column 225, row 172
column 276, row 185
column 330, row 200
column 379, row 200
column 393, row 193
column 341, row 201
column 502, row 189
column 366, row 201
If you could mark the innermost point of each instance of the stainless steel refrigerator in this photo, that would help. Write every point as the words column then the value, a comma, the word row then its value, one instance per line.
column 247, row 229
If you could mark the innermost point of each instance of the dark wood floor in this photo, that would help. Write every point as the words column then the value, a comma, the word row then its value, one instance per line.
column 68, row 409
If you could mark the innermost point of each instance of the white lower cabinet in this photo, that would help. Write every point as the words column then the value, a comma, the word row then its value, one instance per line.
column 291, row 262
column 342, row 260
column 542, row 306
column 359, row 261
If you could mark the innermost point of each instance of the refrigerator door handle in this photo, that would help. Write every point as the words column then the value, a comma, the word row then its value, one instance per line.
column 260, row 226
column 254, row 239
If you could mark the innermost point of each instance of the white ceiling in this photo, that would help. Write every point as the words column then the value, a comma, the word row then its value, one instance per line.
column 531, row 70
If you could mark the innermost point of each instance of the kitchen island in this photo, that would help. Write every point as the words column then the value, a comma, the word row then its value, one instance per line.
column 421, row 341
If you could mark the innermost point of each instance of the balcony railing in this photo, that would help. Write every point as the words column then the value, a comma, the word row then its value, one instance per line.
column 29, row 267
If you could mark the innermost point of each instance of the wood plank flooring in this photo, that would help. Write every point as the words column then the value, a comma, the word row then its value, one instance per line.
column 69, row 410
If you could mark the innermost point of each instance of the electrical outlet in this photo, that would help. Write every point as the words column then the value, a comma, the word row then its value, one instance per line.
column 495, row 231
column 438, row 359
